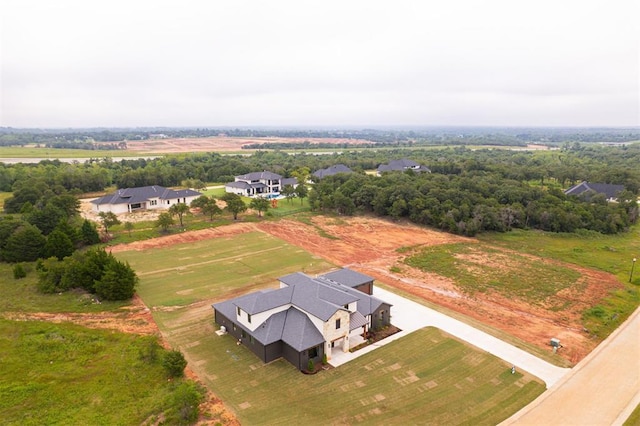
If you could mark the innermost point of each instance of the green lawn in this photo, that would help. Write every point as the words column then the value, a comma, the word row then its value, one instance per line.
column 51, row 153
column 210, row 269
column 78, row 376
column 426, row 377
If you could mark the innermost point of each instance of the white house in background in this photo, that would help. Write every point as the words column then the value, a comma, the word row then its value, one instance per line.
column 144, row 198
column 261, row 184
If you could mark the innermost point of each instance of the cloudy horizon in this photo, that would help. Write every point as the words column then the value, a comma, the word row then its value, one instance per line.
column 319, row 64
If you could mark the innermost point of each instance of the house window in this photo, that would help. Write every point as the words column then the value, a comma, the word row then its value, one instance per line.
column 238, row 310
column 243, row 334
column 313, row 352
column 338, row 324
column 153, row 202
column 346, row 306
column 251, row 339
column 249, row 318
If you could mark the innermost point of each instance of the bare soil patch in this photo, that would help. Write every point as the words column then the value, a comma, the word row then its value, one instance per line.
column 371, row 245
column 185, row 237
column 224, row 143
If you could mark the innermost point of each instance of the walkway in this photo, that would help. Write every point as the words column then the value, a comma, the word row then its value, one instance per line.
column 603, row 389
column 411, row 316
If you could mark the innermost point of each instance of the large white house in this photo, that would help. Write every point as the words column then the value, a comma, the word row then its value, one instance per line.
column 260, row 184
column 144, row 198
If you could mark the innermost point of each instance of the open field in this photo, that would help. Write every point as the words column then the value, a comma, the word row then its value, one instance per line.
column 51, row 153
column 223, row 144
column 76, row 375
column 406, row 381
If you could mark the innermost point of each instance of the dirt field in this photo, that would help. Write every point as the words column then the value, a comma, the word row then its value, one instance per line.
column 223, row 143
column 370, row 245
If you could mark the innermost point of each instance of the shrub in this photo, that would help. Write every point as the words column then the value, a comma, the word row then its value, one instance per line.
column 19, row 271
column 174, row 363
column 185, row 400
column 311, row 366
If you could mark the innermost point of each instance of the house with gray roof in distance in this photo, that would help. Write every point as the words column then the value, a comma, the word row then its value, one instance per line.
column 401, row 166
column 330, row 171
column 306, row 318
column 586, row 189
column 143, row 198
column 259, row 184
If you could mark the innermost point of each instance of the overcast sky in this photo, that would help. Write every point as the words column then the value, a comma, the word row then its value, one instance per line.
column 319, row 63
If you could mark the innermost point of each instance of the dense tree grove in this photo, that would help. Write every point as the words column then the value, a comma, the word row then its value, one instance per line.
column 470, row 203
column 94, row 271
column 468, row 191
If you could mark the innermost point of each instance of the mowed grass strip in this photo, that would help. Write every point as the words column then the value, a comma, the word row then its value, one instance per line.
column 76, row 376
column 480, row 268
column 217, row 268
column 423, row 378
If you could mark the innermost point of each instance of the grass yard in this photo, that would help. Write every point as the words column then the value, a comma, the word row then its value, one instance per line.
column 480, row 268
column 426, row 377
column 79, row 376
column 213, row 269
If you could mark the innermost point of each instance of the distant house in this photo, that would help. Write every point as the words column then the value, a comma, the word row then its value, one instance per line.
column 585, row 189
column 306, row 318
column 330, row 171
column 261, row 184
column 143, row 198
column 401, row 166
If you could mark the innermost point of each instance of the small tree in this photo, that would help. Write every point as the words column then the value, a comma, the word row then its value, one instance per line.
column 88, row 233
column 108, row 220
column 311, row 366
column 301, row 191
column 58, row 245
column 207, row 206
column 25, row 244
column 164, row 221
column 129, row 227
column 235, row 205
column 179, row 210
column 174, row 363
column 260, row 205
column 118, row 281
column 288, row 191
column 325, row 361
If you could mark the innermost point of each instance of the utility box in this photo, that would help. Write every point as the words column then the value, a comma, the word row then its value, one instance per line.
column 555, row 342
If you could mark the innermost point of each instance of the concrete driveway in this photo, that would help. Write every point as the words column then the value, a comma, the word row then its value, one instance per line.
column 411, row 316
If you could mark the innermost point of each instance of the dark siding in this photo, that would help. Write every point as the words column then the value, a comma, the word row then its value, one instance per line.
column 273, row 351
column 256, row 347
column 291, row 355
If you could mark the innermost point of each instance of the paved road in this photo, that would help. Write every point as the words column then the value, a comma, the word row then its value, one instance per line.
column 410, row 316
column 603, row 389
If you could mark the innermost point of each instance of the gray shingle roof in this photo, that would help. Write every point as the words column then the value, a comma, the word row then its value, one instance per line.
column 609, row 190
column 330, row 171
column 259, row 175
column 348, row 277
column 144, row 193
column 299, row 332
column 400, row 165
